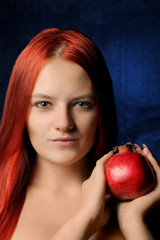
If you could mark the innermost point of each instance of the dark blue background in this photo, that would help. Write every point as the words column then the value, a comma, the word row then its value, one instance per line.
column 128, row 34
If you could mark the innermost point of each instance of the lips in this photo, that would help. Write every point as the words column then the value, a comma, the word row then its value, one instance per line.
column 65, row 141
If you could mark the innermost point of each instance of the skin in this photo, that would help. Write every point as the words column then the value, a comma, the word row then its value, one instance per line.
column 62, row 123
column 66, row 198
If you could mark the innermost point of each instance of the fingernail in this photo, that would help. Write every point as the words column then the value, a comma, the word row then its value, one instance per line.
column 145, row 146
column 136, row 145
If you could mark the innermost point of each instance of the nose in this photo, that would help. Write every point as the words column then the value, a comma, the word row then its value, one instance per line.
column 64, row 121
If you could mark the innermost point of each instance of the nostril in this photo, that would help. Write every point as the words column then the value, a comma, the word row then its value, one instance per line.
column 64, row 129
column 65, row 126
column 64, row 120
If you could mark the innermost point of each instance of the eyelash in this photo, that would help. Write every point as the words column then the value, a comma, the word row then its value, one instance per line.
column 39, row 104
column 81, row 104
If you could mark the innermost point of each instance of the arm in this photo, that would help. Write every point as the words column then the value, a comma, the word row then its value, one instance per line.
column 75, row 229
column 131, row 215
column 94, row 211
column 137, row 230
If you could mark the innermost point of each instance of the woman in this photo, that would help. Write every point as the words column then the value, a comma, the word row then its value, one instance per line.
column 59, row 119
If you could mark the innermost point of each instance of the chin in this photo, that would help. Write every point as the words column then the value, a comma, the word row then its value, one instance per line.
column 61, row 159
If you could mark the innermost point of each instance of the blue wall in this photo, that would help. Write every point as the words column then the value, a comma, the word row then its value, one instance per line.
column 128, row 34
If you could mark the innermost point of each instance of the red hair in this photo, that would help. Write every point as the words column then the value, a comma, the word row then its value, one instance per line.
column 15, row 150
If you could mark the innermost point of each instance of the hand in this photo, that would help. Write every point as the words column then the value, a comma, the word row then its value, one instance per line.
column 135, row 210
column 95, row 204
column 94, row 210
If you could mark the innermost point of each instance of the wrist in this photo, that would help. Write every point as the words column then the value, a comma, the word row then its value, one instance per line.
column 82, row 219
column 136, row 229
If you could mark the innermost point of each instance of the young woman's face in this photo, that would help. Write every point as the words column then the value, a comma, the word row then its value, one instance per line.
column 62, row 117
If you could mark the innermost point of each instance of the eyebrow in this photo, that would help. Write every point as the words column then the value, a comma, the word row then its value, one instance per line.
column 41, row 95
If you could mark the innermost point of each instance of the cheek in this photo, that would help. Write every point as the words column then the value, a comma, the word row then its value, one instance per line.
column 88, row 126
column 35, row 126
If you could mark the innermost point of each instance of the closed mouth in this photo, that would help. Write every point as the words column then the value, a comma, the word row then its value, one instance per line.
column 64, row 141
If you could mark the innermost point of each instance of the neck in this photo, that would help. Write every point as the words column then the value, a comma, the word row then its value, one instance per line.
column 55, row 177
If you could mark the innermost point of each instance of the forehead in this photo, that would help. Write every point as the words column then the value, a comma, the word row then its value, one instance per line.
column 62, row 76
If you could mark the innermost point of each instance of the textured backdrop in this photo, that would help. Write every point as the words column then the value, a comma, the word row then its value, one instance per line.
column 128, row 34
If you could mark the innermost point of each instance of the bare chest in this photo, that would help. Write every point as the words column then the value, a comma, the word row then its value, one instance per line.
column 41, row 218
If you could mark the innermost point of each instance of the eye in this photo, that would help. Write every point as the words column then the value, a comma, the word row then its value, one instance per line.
column 42, row 104
column 83, row 104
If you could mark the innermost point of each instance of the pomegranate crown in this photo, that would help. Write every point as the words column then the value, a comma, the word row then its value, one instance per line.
column 123, row 148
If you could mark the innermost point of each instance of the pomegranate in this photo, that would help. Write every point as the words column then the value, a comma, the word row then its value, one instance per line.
column 129, row 174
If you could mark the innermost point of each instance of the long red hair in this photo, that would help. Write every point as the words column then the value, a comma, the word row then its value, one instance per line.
column 16, row 153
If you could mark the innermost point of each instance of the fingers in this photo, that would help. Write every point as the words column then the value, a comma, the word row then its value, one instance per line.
column 97, row 177
column 100, row 164
column 146, row 152
column 105, row 158
column 150, row 157
column 138, row 148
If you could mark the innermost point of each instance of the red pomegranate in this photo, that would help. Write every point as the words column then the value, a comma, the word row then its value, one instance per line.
column 129, row 174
